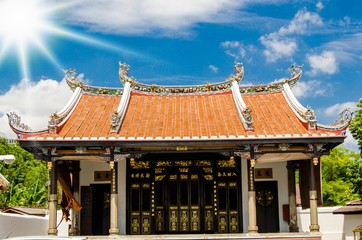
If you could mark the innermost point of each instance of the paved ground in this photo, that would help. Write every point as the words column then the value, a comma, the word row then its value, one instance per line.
column 242, row 236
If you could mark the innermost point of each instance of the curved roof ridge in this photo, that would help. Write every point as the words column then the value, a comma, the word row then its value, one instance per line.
column 341, row 124
column 188, row 89
column 118, row 116
column 243, row 110
column 296, row 73
column 21, row 128
column 57, row 119
column 305, row 115
column 74, row 82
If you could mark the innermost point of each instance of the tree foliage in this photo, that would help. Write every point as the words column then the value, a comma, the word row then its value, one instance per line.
column 28, row 178
column 342, row 177
column 356, row 126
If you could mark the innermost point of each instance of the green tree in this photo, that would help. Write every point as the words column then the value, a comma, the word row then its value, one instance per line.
column 342, row 177
column 356, row 126
column 28, row 178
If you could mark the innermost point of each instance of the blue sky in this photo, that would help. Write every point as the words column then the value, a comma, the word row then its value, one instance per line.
column 179, row 42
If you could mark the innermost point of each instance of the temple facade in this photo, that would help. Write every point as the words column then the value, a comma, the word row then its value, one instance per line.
column 213, row 158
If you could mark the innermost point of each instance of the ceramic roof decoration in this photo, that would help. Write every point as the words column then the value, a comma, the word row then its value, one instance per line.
column 217, row 111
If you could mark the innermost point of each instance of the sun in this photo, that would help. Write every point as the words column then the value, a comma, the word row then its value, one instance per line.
column 22, row 23
column 26, row 24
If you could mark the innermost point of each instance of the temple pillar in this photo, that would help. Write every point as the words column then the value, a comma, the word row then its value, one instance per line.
column 114, row 195
column 74, row 228
column 52, row 199
column 314, row 227
column 252, row 227
column 293, row 220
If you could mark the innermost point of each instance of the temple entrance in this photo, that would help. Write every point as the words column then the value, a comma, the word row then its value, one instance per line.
column 184, row 194
column 267, row 211
column 95, row 214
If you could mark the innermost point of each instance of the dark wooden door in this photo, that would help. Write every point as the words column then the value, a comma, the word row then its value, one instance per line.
column 183, row 203
column 101, row 209
column 86, row 212
column 95, row 213
column 267, row 210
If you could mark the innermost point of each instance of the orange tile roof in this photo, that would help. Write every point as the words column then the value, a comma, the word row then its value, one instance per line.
column 273, row 115
column 181, row 117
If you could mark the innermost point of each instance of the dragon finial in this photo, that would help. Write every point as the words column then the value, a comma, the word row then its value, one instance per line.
column 71, row 78
column 295, row 69
column 239, row 72
column 123, row 71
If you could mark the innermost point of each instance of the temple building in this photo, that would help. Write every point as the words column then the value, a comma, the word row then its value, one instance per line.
column 206, row 159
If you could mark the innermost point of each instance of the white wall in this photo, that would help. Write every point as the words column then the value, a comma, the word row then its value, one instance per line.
column 280, row 174
column 87, row 177
column 332, row 226
column 14, row 225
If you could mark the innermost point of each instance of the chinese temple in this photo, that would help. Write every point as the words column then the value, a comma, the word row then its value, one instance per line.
column 216, row 158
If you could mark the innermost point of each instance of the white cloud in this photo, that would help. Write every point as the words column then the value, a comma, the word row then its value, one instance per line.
column 312, row 88
column 324, row 63
column 336, row 109
column 347, row 48
column 234, row 48
column 278, row 47
column 161, row 17
column 350, row 142
column 301, row 23
column 281, row 44
column 148, row 16
column 213, row 68
column 319, row 6
column 34, row 102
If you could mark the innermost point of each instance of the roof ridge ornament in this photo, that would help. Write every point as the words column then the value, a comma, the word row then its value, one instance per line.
column 72, row 81
column 296, row 70
column 239, row 72
column 123, row 71
column 15, row 122
column 345, row 117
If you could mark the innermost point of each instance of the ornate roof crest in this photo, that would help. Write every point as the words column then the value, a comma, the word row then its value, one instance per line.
column 239, row 73
column 344, row 118
column 295, row 70
column 115, row 121
column 123, row 71
column 71, row 78
column 248, row 119
column 15, row 122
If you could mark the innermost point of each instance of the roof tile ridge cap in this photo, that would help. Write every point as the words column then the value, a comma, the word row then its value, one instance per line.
column 305, row 115
column 187, row 89
column 243, row 110
column 57, row 119
column 118, row 116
